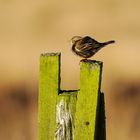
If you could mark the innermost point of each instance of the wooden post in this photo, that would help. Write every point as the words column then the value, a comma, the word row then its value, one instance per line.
column 70, row 115
column 88, row 100
column 48, row 90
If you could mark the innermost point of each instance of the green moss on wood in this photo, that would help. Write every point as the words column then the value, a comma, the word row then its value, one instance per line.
column 48, row 91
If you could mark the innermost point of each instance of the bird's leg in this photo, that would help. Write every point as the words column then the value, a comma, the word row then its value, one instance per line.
column 84, row 60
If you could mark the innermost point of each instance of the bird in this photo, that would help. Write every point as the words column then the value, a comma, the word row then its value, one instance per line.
column 87, row 47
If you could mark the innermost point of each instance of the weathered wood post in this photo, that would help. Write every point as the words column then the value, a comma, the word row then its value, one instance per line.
column 49, row 86
column 70, row 115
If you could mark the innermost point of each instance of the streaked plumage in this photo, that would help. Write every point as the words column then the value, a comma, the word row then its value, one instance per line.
column 86, row 46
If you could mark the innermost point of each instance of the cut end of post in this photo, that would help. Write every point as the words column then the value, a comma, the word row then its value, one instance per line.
column 51, row 54
column 91, row 63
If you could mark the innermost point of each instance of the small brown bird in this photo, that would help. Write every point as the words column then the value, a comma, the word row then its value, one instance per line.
column 86, row 46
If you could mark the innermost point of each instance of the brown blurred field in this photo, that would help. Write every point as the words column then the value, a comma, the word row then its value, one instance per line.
column 28, row 28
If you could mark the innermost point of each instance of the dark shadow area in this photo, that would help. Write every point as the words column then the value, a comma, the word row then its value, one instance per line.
column 101, row 120
column 68, row 91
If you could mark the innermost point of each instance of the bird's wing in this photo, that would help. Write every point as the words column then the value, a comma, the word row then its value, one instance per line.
column 85, row 47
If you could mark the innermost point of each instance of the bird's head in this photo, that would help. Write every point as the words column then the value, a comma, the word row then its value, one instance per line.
column 75, row 38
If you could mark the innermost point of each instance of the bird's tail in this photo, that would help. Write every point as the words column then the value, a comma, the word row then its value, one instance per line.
column 108, row 42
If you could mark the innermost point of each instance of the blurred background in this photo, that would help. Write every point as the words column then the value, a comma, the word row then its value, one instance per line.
column 29, row 28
